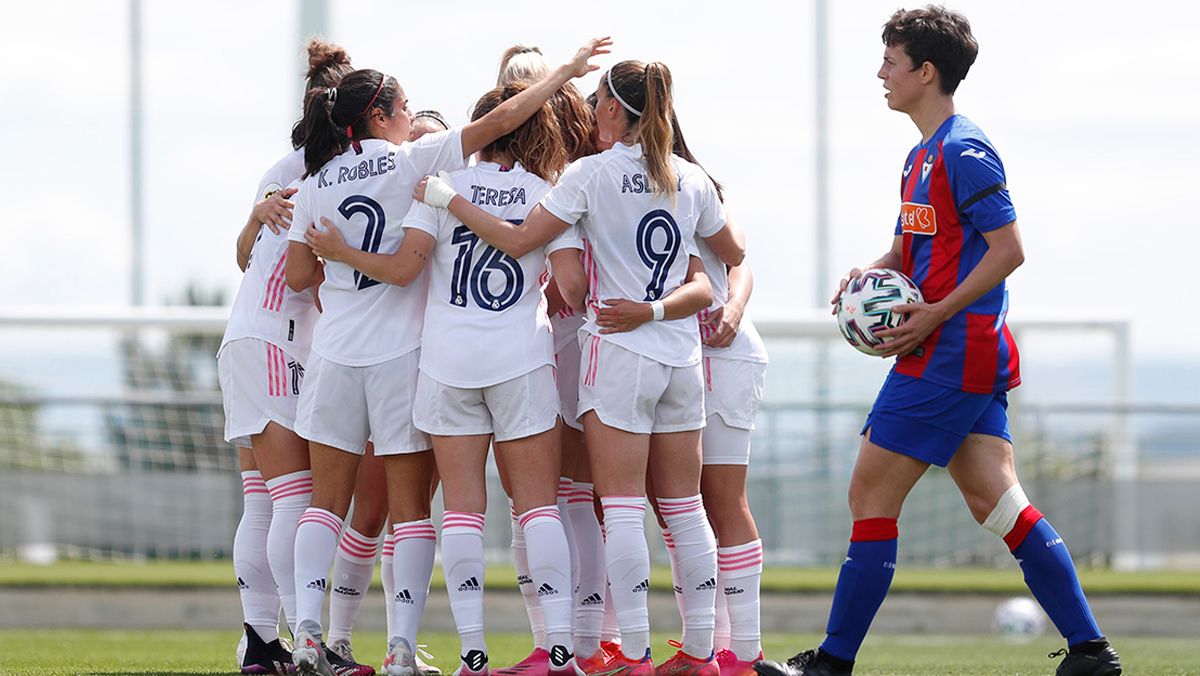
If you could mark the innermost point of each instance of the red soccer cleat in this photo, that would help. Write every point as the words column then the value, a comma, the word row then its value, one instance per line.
column 537, row 664
column 617, row 665
column 732, row 666
column 683, row 664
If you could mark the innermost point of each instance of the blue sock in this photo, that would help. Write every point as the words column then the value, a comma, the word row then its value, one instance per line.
column 1050, row 575
column 861, row 587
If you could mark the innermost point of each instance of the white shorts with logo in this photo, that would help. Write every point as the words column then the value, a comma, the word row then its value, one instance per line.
column 733, row 390
column 637, row 394
column 513, row 409
column 567, row 369
column 344, row 406
column 260, row 383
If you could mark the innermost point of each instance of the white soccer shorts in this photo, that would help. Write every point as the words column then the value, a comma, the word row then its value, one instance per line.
column 566, row 361
column 513, row 409
column 637, row 394
column 260, row 383
column 344, row 406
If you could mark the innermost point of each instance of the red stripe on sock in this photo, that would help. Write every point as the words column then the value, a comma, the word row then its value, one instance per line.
column 874, row 530
column 1025, row 523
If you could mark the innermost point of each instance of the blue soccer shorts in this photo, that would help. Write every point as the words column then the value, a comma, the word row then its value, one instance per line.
column 929, row 422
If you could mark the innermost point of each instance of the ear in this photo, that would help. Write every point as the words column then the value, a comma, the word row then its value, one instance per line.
column 928, row 72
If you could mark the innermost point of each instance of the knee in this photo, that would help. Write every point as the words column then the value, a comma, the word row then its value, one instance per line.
column 1002, row 516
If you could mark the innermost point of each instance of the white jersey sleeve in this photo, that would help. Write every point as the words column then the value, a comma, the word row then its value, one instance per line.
column 432, row 153
column 567, row 239
column 568, row 200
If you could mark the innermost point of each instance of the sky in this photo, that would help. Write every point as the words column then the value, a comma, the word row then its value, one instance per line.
column 1087, row 104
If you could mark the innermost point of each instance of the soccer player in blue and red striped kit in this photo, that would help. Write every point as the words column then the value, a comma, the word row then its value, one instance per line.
column 945, row 400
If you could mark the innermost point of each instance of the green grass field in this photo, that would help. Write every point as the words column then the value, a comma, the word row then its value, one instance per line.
column 211, row 652
column 218, row 574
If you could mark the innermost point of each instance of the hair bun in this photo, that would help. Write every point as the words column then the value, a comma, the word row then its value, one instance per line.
column 323, row 55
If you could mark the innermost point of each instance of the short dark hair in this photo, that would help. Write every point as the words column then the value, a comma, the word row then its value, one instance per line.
column 937, row 35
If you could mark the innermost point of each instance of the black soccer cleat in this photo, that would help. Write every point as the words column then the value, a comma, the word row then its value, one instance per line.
column 265, row 658
column 808, row 663
column 1090, row 658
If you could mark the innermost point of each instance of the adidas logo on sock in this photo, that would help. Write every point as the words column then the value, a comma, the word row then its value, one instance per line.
column 559, row 656
column 475, row 660
column 346, row 591
column 710, row 583
column 317, row 584
column 242, row 584
column 524, row 579
column 593, row 600
column 546, row 590
column 643, row 586
column 734, row 590
column 403, row 596
column 471, row 585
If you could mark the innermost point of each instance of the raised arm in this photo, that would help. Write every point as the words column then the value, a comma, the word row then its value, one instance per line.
column 621, row 315
column 512, row 113
column 399, row 268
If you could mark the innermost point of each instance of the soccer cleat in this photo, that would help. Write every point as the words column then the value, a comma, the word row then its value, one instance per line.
column 683, row 664
column 594, row 662
column 344, row 663
column 423, row 668
column 474, row 663
column 619, row 665
column 260, row 657
column 1090, row 658
column 732, row 666
column 537, row 664
column 808, row 663
column 400, row 660
column 562, row 662
column 309, row 654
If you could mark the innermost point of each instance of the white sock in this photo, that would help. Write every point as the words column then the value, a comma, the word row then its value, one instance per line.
column 412, row 567
column 533, row 608
column 696, row 556
column 260, row 596
column 564, row 496
column 628, row 561
column 550, row 567
column 669, row 541
column 462, row 561
column 352, row 570
column 290, row 496
column 721, row 632
column 389, row 580
column 740, row 574
column 316, row 544
column 593, row 581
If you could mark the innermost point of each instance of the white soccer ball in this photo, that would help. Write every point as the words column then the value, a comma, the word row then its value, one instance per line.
column 865, row 308
column 1019, row 619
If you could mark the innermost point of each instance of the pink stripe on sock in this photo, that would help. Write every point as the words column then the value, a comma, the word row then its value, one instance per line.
column 541, row 512
column 330, row 522
column 752, row 564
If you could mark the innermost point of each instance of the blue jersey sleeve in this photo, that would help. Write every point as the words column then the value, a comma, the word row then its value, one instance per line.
column 977, row 180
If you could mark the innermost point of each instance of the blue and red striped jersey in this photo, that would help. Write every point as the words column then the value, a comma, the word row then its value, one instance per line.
column 952, row 192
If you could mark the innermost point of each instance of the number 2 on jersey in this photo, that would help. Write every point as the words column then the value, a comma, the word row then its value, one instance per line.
column 660, row 259
column 372, row 234
column 472, row 280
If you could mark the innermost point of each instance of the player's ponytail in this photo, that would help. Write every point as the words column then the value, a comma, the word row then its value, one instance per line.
column 328, row 63
column 655, row 131
column 537, row 144
column 521, row 63
column 335, row 117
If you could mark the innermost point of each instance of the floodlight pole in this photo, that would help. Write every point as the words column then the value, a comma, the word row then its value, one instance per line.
column 821, row 267
column 136, row 216
column 314, row 20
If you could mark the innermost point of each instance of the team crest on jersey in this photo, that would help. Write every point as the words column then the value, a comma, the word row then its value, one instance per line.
column 927, row 167
column 272, row 188
column 918, row 219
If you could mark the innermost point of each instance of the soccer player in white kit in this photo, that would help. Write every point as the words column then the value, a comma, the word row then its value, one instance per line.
column 363, row 373
column 261, row 368
column 639, row 207
column 486, row 372
column 522, row 63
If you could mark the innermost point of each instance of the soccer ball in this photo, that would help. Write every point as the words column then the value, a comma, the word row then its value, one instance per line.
column 1019, row 619
column 865, row 308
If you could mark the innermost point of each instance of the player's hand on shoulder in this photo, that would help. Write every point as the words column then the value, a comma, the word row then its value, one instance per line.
column 854, row 274
column 620, row 315
column 326, row 241
column 922, row 320
column 275, row 212
column 724, row 322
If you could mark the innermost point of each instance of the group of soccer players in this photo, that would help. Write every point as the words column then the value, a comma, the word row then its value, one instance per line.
column 573, row 298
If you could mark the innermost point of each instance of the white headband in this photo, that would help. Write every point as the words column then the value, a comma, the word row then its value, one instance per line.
column 611, row 88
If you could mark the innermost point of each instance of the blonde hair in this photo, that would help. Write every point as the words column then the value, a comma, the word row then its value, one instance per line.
column 521, row 63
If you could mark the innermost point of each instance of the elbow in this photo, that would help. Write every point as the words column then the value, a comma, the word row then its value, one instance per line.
column 297, row 281
column 736, row 256
column 1016, row 258
column 295, row 284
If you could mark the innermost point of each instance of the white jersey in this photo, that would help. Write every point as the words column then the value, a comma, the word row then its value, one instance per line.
column 747, row 345
column 485, row 320
column 366, row 195
column 638, row 241
column 264, row 307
